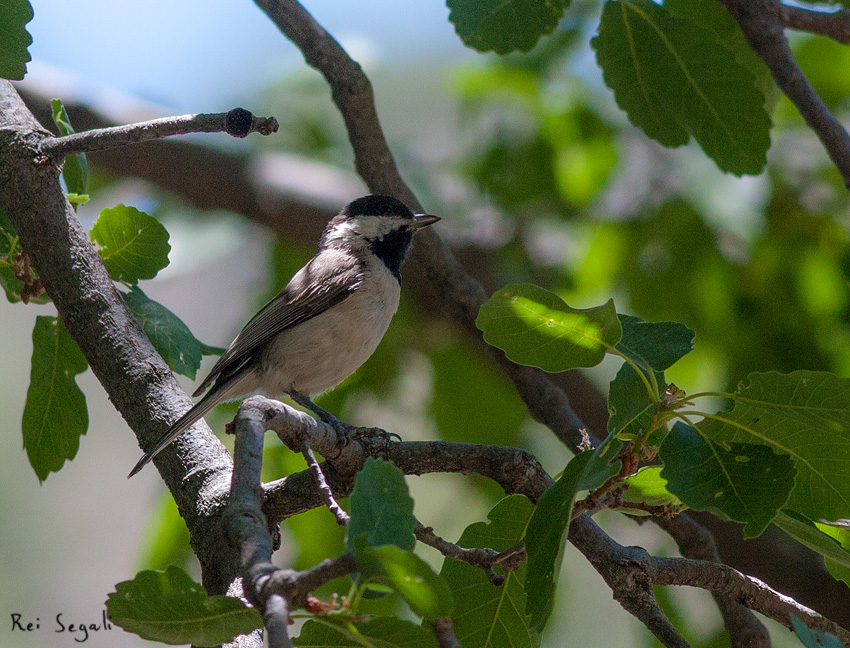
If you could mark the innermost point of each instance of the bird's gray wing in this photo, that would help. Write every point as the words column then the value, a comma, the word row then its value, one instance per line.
column 325, row 281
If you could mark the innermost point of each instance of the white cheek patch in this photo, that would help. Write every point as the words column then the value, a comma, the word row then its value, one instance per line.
column 373, row 227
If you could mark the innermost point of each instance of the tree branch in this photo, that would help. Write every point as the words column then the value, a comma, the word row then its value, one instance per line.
column 632, row 572
column 624, row 572
column 762, row 22
column 514, row 469
column 247, row 528
column 238, row 123
column 835, row 24
column 696, row 542
column 138, row 382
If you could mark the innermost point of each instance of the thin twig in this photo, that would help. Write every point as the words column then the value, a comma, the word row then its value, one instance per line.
column 238, row 123
column 763, row 25
column 482, row 557
column 342, row 518
column 444, row 633
column 835, row 24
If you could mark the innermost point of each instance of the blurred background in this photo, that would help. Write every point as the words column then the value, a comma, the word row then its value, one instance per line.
column 538, row 177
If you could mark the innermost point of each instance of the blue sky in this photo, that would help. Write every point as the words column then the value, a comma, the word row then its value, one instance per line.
column 190, row 52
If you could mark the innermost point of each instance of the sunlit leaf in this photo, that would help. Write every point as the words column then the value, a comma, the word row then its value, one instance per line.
column 535, row 327
column 133, row 244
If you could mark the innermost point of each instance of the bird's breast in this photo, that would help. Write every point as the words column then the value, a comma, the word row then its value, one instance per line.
column 318, row 354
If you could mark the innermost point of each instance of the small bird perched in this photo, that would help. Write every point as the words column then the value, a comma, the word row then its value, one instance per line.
column 324, row 324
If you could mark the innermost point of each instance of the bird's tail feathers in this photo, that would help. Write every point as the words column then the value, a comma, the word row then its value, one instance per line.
column 228, row 391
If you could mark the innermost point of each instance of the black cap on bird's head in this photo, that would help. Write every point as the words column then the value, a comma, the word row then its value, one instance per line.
column 385, row 224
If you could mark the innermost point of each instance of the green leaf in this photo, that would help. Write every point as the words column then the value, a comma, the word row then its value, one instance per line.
column 487, row 616
column 14, row 38
column 831, row 543
column 133, row 245
column 11, row 265
column 55, row 414
column 838, row 567
column 381, row 508
column 712, row 16
column 504, row 26
column 173, row 340
column 654, row 345
column 427, row 594
column 76, row 168
column 544, row 540
column 77, row 199
column 736, row 481
column 375, row 632
column 631, row 407
column 535, row 327
column 813, row 637
column 805, row 414
column 171, row 608
column 647, row 486
column 676, row 79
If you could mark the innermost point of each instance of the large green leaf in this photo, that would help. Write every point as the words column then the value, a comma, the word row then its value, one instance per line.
column 534, row 326
column 427, row 594
column 654, row 345
column 173, row 340
column 133, row 244
column 55, row 414
column 76, row 168
column 487, row 616
column 171, row 608
column 737, row 481
column 374, row 632
column 381, row 508
column 14, row 38
column 676, row 79
column 806, row 415
column 504, row 26
column 546, row 534
column 545, row 539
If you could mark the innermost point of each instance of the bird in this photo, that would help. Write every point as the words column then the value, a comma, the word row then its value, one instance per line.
column 324, row 324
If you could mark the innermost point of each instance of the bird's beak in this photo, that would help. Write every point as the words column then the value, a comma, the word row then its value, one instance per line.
column 422, row 220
